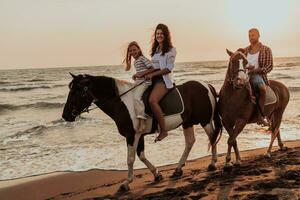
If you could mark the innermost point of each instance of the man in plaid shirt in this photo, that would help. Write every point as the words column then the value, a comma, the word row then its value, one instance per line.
column 260, row 64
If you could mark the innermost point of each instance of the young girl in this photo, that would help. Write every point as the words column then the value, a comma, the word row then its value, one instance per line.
column 142, row 66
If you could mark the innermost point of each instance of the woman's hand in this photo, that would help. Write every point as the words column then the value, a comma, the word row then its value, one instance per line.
column 148, row 76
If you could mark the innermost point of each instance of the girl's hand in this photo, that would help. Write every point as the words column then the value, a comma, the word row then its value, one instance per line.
column 134, row 77
column 139, row 75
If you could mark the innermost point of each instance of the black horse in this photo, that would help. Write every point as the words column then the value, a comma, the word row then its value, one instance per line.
column 199, row 100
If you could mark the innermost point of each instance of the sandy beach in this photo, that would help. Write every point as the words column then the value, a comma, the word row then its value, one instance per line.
column 257, row 178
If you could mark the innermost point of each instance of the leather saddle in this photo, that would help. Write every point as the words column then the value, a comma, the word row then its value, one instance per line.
column 171, row 104
column 271, row 97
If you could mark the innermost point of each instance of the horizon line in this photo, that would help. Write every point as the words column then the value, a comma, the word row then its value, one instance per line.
column 113, row 65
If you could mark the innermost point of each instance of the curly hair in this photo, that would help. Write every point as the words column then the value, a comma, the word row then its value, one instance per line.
column 167, row 44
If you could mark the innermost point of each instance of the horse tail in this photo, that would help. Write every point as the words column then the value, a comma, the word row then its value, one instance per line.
column 217, row 120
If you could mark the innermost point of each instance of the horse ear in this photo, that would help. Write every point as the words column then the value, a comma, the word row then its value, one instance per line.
column 229, row 52
column 74, row 76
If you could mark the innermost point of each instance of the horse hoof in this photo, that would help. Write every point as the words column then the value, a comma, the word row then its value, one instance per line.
column 237, row 164
column 211, row 168
column 227, row 168
column 158, row 178
column 123, row 188
column 268, row 155
column 177, row 174
column 283, row 148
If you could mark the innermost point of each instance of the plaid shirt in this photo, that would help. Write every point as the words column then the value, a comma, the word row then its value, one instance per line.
column 265, row 60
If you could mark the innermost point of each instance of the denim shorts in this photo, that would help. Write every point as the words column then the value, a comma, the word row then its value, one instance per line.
column 157, row 79
column 257, row 80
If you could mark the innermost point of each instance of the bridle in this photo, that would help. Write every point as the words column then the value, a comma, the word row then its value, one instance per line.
column 241, row 69
column 87, row 93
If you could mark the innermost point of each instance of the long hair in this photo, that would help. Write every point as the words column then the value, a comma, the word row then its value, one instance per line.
column 127, row 59
column 167, row 44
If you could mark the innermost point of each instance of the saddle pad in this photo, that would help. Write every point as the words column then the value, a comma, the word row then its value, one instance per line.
column 270, row 96
column 171, row 104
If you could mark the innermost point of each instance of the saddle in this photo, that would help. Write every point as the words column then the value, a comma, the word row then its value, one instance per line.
column 171, row 104
column 271, row 97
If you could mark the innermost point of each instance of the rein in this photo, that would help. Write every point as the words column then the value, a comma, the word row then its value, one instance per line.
column 108, row 99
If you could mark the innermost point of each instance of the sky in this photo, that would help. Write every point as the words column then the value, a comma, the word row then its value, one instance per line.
column 68, row 33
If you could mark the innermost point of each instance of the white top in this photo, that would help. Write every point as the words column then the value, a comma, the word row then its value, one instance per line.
column 165, row 61
column 142, row 64
column 253, row 59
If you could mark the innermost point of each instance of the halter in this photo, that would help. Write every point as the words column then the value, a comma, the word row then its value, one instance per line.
column 241, row 69
column 86, row 92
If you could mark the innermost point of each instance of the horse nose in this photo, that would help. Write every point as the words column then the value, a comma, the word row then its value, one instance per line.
column 64, row 117
column 67, row 118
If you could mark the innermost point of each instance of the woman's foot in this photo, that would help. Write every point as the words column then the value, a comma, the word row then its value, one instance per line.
column 161, row 136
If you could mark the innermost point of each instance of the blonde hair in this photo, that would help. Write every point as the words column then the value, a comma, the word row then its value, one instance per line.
column 127, row 59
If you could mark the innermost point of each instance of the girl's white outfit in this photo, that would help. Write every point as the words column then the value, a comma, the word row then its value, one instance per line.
column 141, row 64
column 165, row 61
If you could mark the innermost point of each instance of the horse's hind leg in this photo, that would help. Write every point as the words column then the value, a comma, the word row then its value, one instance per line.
column 280, row 143
column 210, row 131
column 141, row 154
column 189, row 142
column 276, row 121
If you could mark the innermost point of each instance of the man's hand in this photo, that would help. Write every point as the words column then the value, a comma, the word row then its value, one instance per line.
column 255, row 71
column 250, row 67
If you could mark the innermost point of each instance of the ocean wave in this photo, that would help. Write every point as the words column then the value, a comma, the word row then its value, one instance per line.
column 294, row 89
column 36, row 130
column 39, row 105
column 289, row 64
column 36, row 80
column 26, row 88
column 4, row 82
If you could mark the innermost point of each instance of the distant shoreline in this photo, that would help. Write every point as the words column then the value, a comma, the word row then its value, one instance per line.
column 116, row 65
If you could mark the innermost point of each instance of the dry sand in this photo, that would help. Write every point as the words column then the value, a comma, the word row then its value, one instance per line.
column 257, row 178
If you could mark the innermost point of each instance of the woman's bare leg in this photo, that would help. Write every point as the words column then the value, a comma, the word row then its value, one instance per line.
column 158, row 92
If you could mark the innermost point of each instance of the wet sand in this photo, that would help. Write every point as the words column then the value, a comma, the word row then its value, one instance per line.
column 258, row 177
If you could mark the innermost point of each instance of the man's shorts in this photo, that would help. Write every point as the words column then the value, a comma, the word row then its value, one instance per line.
column 257, row 80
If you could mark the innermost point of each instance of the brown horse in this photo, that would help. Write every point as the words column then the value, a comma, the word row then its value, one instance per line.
column 115, row 98
column 237, row 110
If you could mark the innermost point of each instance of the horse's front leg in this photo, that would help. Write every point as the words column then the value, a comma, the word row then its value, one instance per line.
column 189, row 142
column 233, row 133
column 131, row 150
